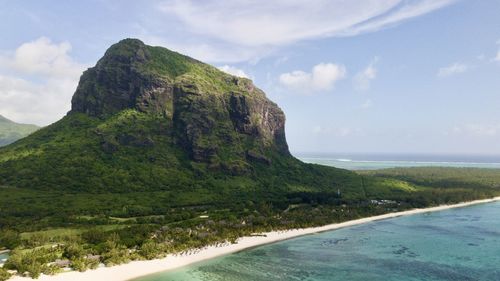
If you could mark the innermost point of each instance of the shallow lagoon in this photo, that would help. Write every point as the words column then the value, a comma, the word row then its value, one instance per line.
column 457, row 244
column 381, row 161
column 3, row 257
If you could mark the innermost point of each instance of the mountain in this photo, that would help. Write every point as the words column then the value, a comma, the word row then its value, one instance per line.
column 11, row 131
column 147, row 119
column 217, row 118
column 161, row 153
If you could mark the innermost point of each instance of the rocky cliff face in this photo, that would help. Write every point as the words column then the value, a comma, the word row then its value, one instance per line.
column 117, row 82
column 217, row 118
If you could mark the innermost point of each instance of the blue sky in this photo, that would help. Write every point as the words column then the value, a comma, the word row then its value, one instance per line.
column 400, row 76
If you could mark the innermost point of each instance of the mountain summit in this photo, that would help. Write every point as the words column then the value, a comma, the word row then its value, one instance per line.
column 147, row 118
column 218, row 118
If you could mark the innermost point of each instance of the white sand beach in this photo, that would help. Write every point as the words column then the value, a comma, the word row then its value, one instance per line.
column 141, row 268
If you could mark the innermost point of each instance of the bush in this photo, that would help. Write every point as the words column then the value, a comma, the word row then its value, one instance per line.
column 50, row 269
column 34, row 262
column 4, row 275
column 73, row 251
column 82, row 264
column 34, row 269
column 116, row 256
column 95, row 236
column 79, row 264
column 9, row 239
column 151, row 250
column 114, row 252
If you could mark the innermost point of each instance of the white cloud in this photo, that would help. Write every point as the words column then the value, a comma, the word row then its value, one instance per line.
column 478, row 130
column 42, row 57
column 497, row 58
column 296, row 79
column 37, row 103
column 362, row 80
column 318, row 130
column 256, row 28
column 367, row 104
column 233, row 71
column 336, row 131
column 453, row 69
column 322, row 77
column 344, row 132
column 46, row 98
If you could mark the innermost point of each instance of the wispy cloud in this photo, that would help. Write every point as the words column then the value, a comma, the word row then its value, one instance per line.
column 477, row 129
column 367, row 104
column 497, row 57
column 400, row 11
column 207, row 49
column 362, row 80
column 455, row 68
column 336, row 131
column 322, row 77
column 242, row 24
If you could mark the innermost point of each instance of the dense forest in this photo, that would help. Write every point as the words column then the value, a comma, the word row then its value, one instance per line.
column 86, row 229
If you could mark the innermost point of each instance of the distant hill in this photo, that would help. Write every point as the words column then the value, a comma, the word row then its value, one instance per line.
column 11, row 131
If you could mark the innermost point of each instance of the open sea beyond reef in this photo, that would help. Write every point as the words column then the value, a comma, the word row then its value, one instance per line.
column 455, row 244
column 383, row 161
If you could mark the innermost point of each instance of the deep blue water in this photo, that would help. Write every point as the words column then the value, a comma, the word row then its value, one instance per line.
column 459, row 244
column 382, row 161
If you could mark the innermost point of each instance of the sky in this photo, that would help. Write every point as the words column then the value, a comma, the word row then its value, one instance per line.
column 357, row 76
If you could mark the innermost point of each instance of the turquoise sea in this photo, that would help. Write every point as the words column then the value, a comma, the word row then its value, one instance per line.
column 457, row 244
column 358, row 161
column 3, row 257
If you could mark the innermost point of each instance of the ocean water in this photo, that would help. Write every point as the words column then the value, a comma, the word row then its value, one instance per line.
column 3, row 257
column 383, row 161
column 457, row 244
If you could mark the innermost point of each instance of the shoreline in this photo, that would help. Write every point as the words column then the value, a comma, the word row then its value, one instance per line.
column 137, row 269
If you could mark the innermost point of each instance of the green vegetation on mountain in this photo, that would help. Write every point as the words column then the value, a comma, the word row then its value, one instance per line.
column 162, row 153
column 11, row 131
